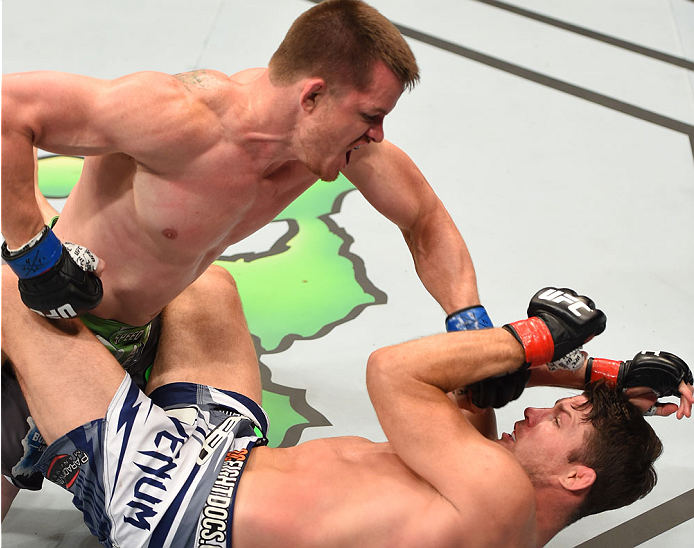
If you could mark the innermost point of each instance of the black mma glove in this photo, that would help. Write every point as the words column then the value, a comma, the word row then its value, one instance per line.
column 662, row 372
column 500, row 390
column 559, row 321
column 51, row 283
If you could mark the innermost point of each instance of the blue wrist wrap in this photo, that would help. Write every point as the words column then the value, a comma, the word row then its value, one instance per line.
column 37, row 259
column 467, row 319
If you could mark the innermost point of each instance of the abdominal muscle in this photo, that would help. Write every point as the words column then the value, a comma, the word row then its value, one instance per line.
column 338, row 492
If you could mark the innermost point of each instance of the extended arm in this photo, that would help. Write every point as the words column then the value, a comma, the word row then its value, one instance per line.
column 393, row 184
column 645, row 378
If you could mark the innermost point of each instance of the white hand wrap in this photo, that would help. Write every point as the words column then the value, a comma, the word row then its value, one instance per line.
column 84, row 258
column 572, row 361
column 651, row 411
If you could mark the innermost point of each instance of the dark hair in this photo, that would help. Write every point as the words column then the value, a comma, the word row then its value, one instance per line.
column 340, row 41
column 621, row 449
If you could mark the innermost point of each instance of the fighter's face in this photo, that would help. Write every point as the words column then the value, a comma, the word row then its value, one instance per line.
column 543, row 441
column 342, row 122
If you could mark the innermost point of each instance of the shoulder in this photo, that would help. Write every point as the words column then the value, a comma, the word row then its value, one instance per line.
column 192, row 86
column 499, row 495
column 202, row 79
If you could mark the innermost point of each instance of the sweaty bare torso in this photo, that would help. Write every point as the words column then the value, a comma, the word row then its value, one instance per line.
column 339, row 492
column 158, row 231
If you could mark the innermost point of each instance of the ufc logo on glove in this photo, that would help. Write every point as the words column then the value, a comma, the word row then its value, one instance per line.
column 557, row 296
column 66, row 311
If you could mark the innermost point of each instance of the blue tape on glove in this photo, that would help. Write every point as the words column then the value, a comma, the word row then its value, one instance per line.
column 467, row 319
column 37, row 259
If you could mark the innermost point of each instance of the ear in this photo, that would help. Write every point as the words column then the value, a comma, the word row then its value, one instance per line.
column 311, row 93
column 578, row 477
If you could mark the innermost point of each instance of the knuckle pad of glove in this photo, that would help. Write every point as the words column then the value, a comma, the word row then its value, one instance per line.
column 680, row 365
column 65, row 283
column 661, row 373
column 571, row 322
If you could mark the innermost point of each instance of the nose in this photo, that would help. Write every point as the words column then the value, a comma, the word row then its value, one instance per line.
column 375, row 133
column 531, row 415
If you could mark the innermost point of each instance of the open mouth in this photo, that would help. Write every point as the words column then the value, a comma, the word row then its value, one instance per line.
column 349, row 153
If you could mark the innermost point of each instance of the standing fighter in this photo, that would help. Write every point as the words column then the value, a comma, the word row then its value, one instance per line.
column 180, row 167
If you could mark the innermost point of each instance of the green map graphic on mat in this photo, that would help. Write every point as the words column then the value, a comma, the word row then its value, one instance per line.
column 305, row 285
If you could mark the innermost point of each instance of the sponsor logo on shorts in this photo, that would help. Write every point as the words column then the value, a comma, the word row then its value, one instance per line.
column 215, row 522
column 217, row 436
column 33, row 445
column 127, row 335
column 64, row 469
column 156, row 467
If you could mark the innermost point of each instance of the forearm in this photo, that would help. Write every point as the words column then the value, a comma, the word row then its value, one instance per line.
column 393, row 184
column 449, row 361
column 21, row 216
column 542, row 376
column 442, row 260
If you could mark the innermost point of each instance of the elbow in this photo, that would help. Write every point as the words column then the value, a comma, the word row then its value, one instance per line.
column 377, row 361
column 379, row 367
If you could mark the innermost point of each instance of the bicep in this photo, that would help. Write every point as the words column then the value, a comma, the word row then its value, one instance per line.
column 56, row 111
column 72, row 114
column 393, row 184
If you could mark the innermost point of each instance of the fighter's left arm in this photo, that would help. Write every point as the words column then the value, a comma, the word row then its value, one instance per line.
column 393, row 184
column 646, row 378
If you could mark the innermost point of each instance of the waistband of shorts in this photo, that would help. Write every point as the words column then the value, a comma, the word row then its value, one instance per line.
column 177, row 393
column 106, row 328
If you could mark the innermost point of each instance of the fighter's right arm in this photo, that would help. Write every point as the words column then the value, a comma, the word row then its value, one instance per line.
column 161, row 121
column 149, row 116
column 48, row 110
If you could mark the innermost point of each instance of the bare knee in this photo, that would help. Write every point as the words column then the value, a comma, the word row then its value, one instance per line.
column 212, row 294
column 215, row 283
column 217, row 277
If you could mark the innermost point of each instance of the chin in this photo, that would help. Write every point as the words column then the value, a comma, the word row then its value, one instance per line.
column 326, row 175
column 330, row 176
column 321, row 171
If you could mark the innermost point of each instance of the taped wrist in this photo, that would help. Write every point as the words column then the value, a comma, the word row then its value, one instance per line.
column 35, row 257
column 536, row 339
column 600, row 368
column 29, row 244
column 467, row 319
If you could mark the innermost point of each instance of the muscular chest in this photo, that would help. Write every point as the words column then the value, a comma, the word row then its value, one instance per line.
column 213, row 208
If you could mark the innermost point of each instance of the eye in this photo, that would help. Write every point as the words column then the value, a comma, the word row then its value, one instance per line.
column 556, row 421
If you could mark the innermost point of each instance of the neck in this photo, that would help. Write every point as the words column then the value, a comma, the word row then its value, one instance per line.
column 554, row 506
column 268, row 121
